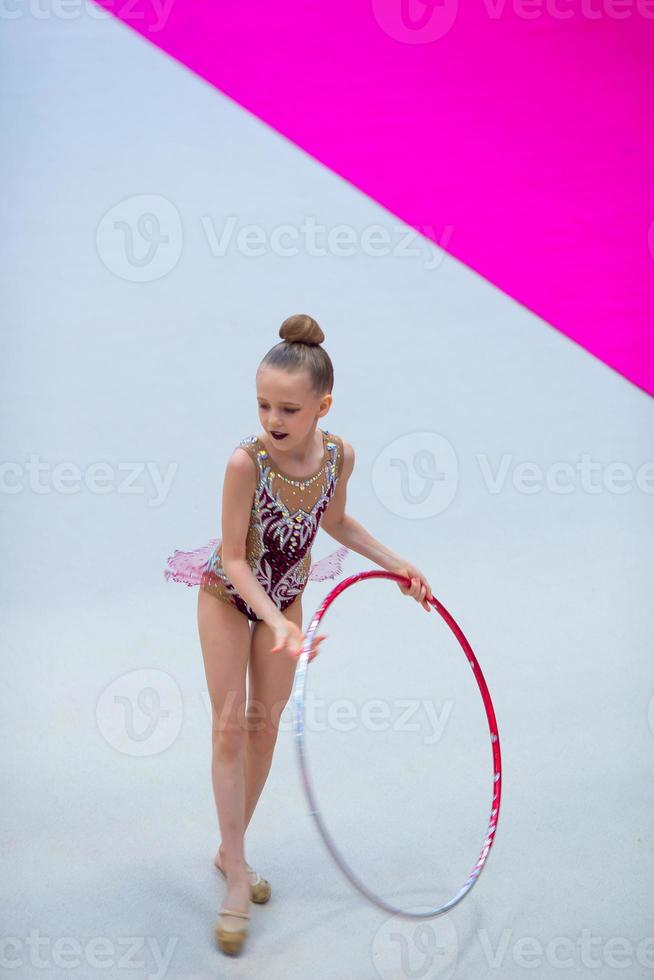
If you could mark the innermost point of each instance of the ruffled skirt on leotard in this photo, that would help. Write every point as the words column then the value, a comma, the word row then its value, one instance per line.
column 188, row 566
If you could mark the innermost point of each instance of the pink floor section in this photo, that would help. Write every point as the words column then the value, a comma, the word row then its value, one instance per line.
column 518, row 137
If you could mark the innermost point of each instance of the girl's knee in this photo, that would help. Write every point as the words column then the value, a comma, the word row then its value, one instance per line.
column 229, row 741
column 261, row 717
column 262, row 740
column 262, row 724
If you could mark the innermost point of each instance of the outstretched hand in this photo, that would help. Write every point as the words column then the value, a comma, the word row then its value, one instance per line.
column 420, row 588
column 289, row 639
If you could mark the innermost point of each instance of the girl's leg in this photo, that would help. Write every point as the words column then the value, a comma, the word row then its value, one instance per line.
column 225, row 641
column 270, row 686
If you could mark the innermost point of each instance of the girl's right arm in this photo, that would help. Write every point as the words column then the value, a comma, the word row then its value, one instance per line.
column 238, row 493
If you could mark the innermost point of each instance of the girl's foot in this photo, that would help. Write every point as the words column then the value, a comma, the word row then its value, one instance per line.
column 260, row 890
column 231, row 939
column 231, row 927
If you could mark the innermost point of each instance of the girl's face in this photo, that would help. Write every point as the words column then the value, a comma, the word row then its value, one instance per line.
column 287, row 405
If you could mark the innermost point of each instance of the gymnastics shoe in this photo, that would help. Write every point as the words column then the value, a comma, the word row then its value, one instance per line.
column 229, row 936
column 260, row 890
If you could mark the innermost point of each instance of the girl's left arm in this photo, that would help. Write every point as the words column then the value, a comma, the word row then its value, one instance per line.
column 348, row 532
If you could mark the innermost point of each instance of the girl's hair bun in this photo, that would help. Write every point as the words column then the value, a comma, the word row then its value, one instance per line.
column 301, row 329
column 300, row 349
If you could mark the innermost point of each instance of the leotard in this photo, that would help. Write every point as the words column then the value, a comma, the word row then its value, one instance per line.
column 284, row 519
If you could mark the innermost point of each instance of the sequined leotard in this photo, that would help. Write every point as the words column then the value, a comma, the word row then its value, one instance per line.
column 284, row 520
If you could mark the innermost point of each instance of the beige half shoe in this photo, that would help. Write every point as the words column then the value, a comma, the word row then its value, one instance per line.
column 230, row 936
column 260, row 890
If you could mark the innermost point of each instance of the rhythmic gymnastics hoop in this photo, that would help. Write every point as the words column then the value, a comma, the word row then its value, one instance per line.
column 299, row 687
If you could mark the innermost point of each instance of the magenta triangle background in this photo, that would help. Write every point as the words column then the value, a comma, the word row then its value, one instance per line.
column 520, row 140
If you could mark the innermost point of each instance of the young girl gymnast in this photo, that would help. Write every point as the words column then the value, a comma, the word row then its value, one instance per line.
column 279, row 487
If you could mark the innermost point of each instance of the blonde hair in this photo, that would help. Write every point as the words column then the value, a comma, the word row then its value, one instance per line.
column 300, row 350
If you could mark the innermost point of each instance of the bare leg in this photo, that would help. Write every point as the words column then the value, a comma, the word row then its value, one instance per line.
column 270, row 686
column 225, row 641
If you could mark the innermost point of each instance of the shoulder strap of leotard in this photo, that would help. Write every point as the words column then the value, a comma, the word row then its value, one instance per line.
column 252, row 447
column 331, row 437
